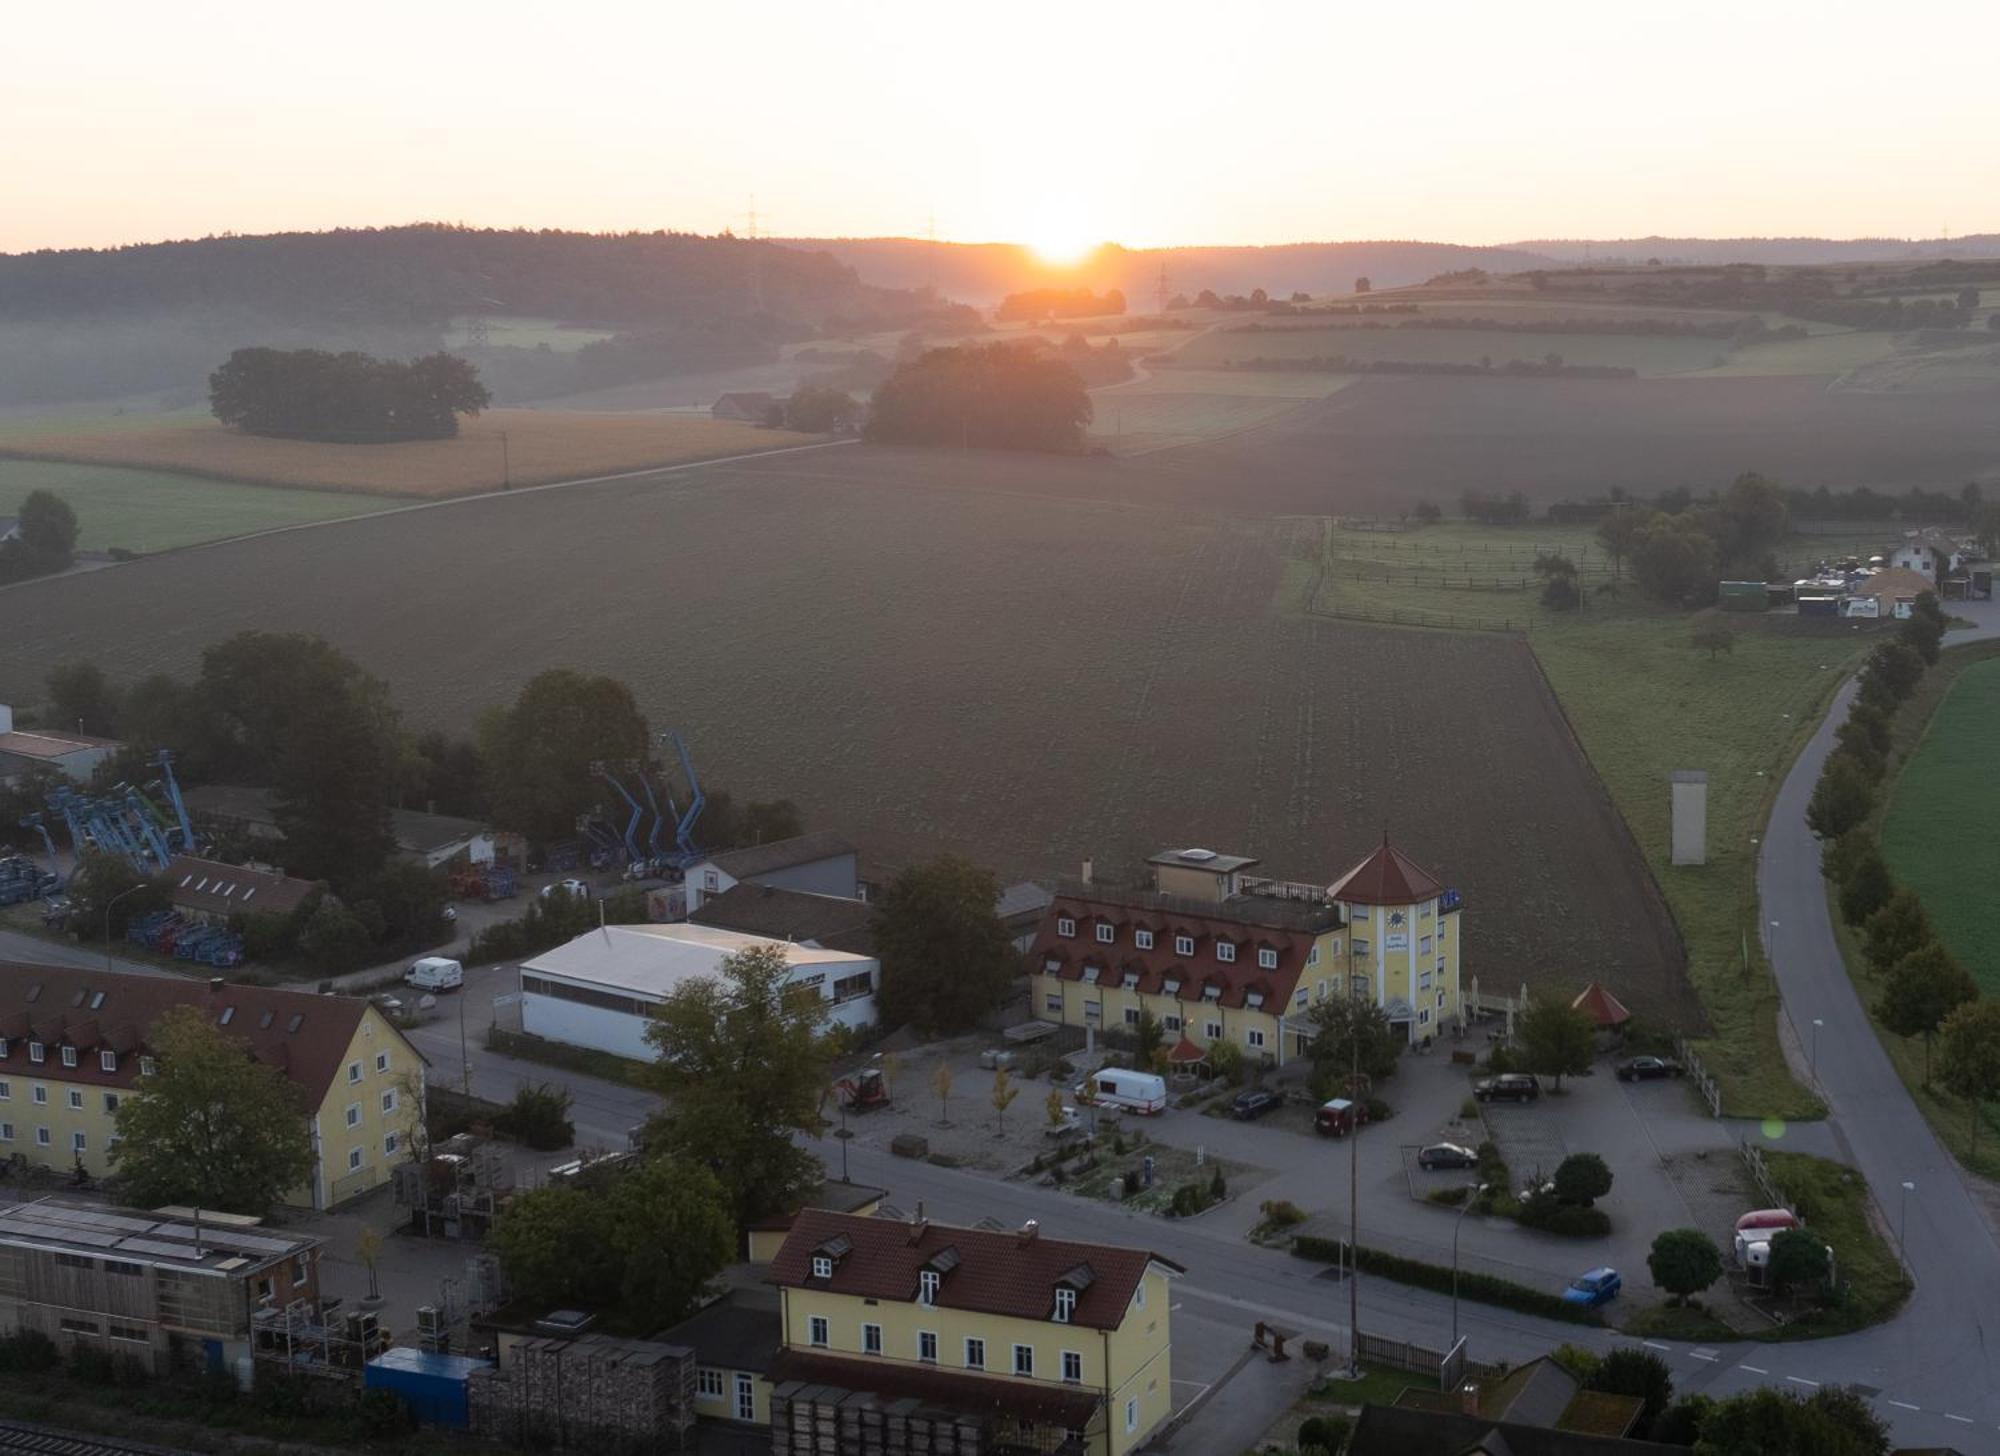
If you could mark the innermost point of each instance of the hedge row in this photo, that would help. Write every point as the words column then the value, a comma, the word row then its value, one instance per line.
column 1482, row 1287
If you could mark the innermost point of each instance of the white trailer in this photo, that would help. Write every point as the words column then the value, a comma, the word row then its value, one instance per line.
column 1141, row 1092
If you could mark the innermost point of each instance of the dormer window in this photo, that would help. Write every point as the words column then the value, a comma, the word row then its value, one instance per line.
column 1065, row 1305
column 1171, row 987
column 146, row 1065
column 1090, row 975
column 107, row 1061
column 1224, row 951
column 1143, row 939
column 1254, row 999
column 1211, row 993
column 37, row 1052
column 1131, row 980
column 822, row 1267
column 1267, row 959
column 1065, row 926
column 69, row 1056
column 1106, row 933
column 1184, row 945
column 927, row 1287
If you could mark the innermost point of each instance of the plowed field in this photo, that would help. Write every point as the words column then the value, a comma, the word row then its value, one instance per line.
column 1023, row 679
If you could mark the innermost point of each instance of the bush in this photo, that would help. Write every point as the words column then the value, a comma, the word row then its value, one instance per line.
column 382, row 1414
column 1468, row 1110
column 1329, row 1433
column 1485, row 1288
column 538, row 1117
column 1551, row 1215
column 1449, row 1197
column 1281, row 1213
column 1189, row 1199
column 28, row 1350
column 1131, row 1182
column 1582, row 1179
column 1576, row 1360
column 1377, row 1109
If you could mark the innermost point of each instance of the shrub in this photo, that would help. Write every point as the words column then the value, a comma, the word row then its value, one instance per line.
column 1189, row 1199
column 28, row 1350
column 1485, row 1288
column 1329, row 1433
column 1281, row 1213
column 1449, row 1197
column 1576, row 1360
column 1468, row 1110
column 382, row 1414
column 1218, row 1188
column 1684, row 1262
column 1551, row 1215
column 1378, row 1110
column 538, row 1117
column 1131, row 1182
column 1582, row 1179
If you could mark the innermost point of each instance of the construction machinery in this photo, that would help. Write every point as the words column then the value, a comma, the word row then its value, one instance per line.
column 865, row 1091
column 21, row 880
column 684, row 852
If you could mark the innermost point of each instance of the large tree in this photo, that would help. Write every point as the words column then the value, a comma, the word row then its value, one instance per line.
column 211, row 1127
column 1630, row 1371
column 743, row 1069
column 48, row 526
column 81, row 698
column 991, row 396
column 946, row 959
column 1555, row 1039
column 1684, row 1262
column 1832, row 1421
column 538, row 753
column 106, row 894
column 1751, row 518
column 1969, row 1056
column 1619, row 533
column 1900, row 927
column 1674, row 559
column 1348, row 1030
column 1841, row 799
column 1924, row 987
column 310, row 394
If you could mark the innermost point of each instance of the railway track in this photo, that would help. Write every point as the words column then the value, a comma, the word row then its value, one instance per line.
column 21, row 1438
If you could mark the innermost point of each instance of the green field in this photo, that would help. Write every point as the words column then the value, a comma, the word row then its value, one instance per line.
column 1941, row 834
column 1284, row 340
column 1184, row 406
column 1823, row 353
column 152, row 510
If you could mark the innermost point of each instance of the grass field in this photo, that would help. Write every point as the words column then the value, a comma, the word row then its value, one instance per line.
column 152, row 510
column 521, row 447
column 1827, row 353
column 1838, row 1208
column 1174, row 407
column 1941, row 834
column 1285, row 339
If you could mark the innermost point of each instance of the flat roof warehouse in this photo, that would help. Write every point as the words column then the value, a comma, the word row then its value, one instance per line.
column 653, row 961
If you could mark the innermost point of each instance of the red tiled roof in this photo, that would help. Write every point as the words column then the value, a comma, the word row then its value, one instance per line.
column 1386, row 877
column 1603, row 1008
column 1072, row 957
column 215, row 888
column 995, row 1272
column 1186, row 1052
column 1072, row 1407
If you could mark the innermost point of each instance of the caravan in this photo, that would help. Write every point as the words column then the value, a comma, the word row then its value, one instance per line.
column 1140, row 1092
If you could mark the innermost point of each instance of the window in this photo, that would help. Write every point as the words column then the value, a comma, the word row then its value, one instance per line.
column 1360, row 914
column 822, row 1267
column 354, row 1157
column 353, row 1072
column 1319, row 991
column 125, row 1267
column 1362, row 985
column 6, row 1092
column 1424, row 945
column 107, row 1061
column 1065, row 926
column 927, row 1289
column 1143, row 939
column 42, row 1139
column 354, row 1114
column 1424, row 981
column 1184, row 945
column 1065, row 1305
column 1424, row 1017
column 1360, row 946
column 389, row 1100
column 6, row 1132
column 390, row 1143
column 1072, row 1368
column 41, row 1094
column 1267, row 959
column 1106, row 934
column 382, row 1064
column 145, row 1066
column 816, row 1330
column 1254, row 1037
column 79, row 1326
column 1424, row 910
column 1299, row 1000
column 72, row 1261
column 871, row 1339
column 1139, row 1296
column 927, row 1346
column 1170, row 1023
column 110, row 1101
column 1052, row 1002
column 711, row 879
column 1131, row 1016
column 975, row 1353
column 228, row 1015
column 76, row 1099
column 77, row 1143
column 1312, row 956
column 1093, row 1010
column 1024, row 1359
column 709, row 1382
column 36, row 1052
column 1131, row 1414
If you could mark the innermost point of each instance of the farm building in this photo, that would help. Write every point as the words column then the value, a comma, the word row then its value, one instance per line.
column 830, row 921
column 167, row 1288
column 750, row 406
column 1891, row 593
column 73, row 755
column 735, row 1343
column 211, row 891
column 603, row 989
column 822, row 864
column 1930, row 554
column 430, row 840
column 1215, row 954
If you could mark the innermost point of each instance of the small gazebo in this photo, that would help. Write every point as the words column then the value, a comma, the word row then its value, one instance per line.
column 1606, row 1011
column 1185, row 1058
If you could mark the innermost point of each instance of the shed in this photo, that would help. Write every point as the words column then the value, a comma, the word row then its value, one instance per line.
column 432, row 1385
column 1604, row 1009
column 1743, row 596
column 751, row 405
column 1186, row 1053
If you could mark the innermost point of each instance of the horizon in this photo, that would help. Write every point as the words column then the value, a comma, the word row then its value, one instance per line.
column 1157, row 128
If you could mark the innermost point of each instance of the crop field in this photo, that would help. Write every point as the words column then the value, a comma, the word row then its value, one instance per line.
column 1832, row 353
column 1171, row 407
column 1285, row 339
column 1939, row 834
column 1020, row 678
column 153, row 510
column 517, row 446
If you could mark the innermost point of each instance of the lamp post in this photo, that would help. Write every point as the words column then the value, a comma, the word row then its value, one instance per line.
column 1903, row 1221
column 1812, row 1057
column 1354, row 1211
column 1478, row 1191
column 108, row 904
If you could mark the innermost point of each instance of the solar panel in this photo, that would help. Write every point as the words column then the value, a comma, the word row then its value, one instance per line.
column 160, row 1250
column 29, row 1229
column 97, row 1218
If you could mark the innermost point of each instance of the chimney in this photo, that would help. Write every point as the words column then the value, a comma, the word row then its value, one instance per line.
column 1088, row 867
column 1028, row 1232
column 1468, row 1399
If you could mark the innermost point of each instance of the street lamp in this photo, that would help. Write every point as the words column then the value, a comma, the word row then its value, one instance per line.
column 1812, row 1057
column 1903, row 1220
column 129, row 889
column 1478, row 1192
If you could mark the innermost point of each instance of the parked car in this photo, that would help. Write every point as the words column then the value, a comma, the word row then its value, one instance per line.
column 1507, row 1087
column 566, row 887
column 1254, row 1103
column 1339, row 1117
column 1599, row 1286
column 1647, row 1069
column 1447, row 1155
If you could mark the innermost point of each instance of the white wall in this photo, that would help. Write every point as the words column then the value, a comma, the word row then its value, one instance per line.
column 575, row 1024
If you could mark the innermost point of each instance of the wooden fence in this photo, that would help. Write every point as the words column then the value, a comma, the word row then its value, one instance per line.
column 1414, row 1359
column 1698, row 1074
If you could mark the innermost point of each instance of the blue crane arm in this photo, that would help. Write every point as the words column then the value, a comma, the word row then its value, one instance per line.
column 653, row 808
column 166, row 763
column 632, row 825
column 684, row 830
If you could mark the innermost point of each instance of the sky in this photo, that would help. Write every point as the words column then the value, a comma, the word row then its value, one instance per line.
column 1057, row 124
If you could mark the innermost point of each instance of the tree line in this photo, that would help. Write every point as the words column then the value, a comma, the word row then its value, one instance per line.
column 309, row 394
column 1550, row 366
column 1059, row 303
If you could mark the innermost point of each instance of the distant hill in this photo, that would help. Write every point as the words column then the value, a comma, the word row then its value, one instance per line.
column 984, row 273
column 1773, row 251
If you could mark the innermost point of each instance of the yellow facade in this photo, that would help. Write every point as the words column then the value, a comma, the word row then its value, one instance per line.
column 720, row 1394
column 1129, row 1367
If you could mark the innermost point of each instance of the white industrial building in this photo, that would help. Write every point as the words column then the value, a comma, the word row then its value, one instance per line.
column 603, row 989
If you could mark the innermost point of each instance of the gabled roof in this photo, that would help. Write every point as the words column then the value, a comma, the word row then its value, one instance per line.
column 1001, row 1273
column 1386, row 1430
column 796, row 915
column 1895, row 581
column 1601, row 1006
column 216, row 888
column 780, row 854
column 1386, row 877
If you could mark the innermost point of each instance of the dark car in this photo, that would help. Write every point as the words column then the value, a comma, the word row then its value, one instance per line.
column 1253, row 1104
column 1647, row 1069
column 1446, row 1155
column 1508, row 1087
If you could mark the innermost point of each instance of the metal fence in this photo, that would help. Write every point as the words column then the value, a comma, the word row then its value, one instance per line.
column 1698, row 1075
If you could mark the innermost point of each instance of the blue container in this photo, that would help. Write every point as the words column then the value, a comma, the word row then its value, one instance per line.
column 433, row 1386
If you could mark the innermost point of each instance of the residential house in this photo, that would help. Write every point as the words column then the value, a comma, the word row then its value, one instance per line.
column 74, row 1043
column 167, row 1288
column 767, row 1235
column 73, row 755
column 1931, row 554
column 735, row 1340
column 1037, row 1342
column 748, row 406
column 1892, row 592
column 211, row 891
column 1215, row 954
column 1386, row 1430
column 821, row 863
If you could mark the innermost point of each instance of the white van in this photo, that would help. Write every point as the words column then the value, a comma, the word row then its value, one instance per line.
column 435, row 973
column 1142, row 1092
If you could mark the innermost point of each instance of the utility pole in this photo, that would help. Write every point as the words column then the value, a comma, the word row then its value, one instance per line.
column 1353, row 1210
column 506, row 464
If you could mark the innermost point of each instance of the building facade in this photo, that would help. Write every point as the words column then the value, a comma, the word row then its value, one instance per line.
column 822, row 863
column 1046, row 1344
column 73, row 1046
column 1215, row 954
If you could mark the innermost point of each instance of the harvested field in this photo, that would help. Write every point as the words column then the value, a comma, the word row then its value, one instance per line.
column 524, row 447
column 1024, row 680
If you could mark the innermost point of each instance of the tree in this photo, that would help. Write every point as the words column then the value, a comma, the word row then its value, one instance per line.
column 1054, row 1107
column 1556, row 1039
column 80, row 698
column 1347, row 1030
column 941, row 1084
column 107, row 884
column 1620, row 532
column 1865, row 886
column 368, row 1252
column 1582, row 1179
column 1004, row 1093
column 1674, row 559
column 1769, row 1422
column 946, row 959
column 1684, row 1262
column 1924, row 987
column 1969, row 1056
column 1714, row 638
column 1892, row 673
column 539, row 752
column 48, row 527
column 333, row 938
column 820, row 411
column 992, row 396
column 211, row 1127
column 1898, row 928
column 1753, row 517
column 1427, row 512
column 1842, row 799
column 1874, row 725
column 1225, row 1061
column 1923, row 634
column 1629, row 1371
column 1147, row 1037
column 309, row 394
column 743, row 1068
column 1856, row 742
column 1680, row 1423
column 1558, row 574
column 1363, row 285
column 1798, row 1259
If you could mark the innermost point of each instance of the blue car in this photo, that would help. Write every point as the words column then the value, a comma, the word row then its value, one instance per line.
column 1599, row 1286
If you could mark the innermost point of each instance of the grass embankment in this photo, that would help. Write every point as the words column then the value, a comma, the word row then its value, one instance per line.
column 1939, row 811
column 155, row 510
column 1834, row 1201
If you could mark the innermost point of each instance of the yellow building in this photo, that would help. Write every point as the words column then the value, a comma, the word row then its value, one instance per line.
column 1215, row 954
column 73, row 1045
column 1038, row 1343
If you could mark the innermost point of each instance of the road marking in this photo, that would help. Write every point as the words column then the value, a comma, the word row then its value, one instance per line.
column 1962, row 1420
column 1756, row 1369
column 1704, row 1353
column 1904, row 1405
column 1655, row 1345
column 1801, row 1380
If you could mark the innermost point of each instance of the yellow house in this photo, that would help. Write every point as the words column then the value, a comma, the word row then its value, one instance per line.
column 1029, row 1341
column 1215, row 954
column 73, row 1045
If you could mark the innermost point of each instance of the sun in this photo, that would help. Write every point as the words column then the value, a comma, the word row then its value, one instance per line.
column 1063, row 237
